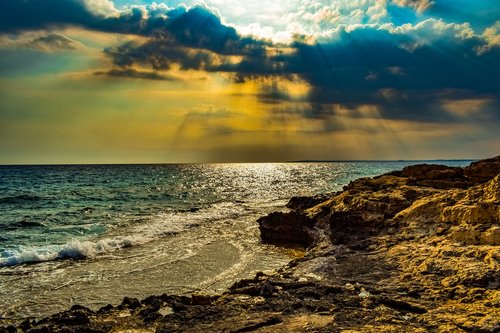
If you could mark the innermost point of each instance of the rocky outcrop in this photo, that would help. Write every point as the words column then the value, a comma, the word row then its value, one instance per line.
column 432, row 172
column 294, row 228
column 301, row 203
column 471, row 217
column 483, row 170
column 415, row 250
column 435, row 175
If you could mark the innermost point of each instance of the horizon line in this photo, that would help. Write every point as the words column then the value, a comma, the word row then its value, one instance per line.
column 236, row 162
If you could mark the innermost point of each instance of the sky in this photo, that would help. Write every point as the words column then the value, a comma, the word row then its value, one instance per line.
column 133, row 81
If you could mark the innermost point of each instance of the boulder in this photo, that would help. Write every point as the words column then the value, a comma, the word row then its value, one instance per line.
column 294, row 228
column 484, row 170
column 301, row 203
column 436, row 176
column 130, row 303
column 432, row 171
column 201, row 299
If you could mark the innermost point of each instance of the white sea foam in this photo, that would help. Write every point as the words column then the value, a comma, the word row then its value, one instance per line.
column 74, row 249
column 159, row 226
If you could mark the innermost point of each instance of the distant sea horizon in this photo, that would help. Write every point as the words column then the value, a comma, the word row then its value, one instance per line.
column 250, row 162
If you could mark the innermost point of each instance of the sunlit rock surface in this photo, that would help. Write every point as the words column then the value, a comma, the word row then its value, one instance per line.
column 416, row 250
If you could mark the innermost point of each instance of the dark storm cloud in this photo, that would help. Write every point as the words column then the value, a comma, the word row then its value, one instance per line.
column 161, row 54
column 194, row 28
column 36, row 14
column 407, row 73
column 192, row 38
column 135, row 74
column 198, row 28
column 372, row 66
column 16, row 16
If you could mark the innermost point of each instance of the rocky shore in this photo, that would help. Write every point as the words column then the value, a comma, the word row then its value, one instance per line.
column 416, row 250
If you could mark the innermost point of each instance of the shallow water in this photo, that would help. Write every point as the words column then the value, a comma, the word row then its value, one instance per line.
column 91, row 235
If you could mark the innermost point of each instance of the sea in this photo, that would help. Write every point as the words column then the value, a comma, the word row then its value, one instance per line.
column 92, row 234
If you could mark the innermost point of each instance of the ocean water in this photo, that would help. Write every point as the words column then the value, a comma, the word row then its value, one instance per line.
column 92, row 234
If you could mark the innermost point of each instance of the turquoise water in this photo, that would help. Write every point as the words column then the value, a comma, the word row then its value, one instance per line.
column 91, row 234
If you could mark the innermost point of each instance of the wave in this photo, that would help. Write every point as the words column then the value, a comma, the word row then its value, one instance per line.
column 86, row 249
column 21, row 198
column 23, row 225
column 28, row 224
column 74, row 249
column 145, row 231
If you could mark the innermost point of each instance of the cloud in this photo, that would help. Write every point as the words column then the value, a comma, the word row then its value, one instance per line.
column 16, row 16
column 41, row 41
column 104, row 8
column 359, row 57
column 41, row 14
column 479, row 14
column 54, row 41
column 419, row 5
column 362, row 65
column 196, row 39
column 195, row 27
column 404, row 70
column 135, row 74
column 162, row 54
column 204, row 121
column 492, row 37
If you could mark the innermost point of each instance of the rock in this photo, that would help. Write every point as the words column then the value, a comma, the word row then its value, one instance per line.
column 8, row 329
column 25, row 325
column 367, row 207
column 484, row 170
column 71, row 318
column 402, row 305
column 200, row 299
column 383, row 182
column 476, row 237
column 255, row 325
column 130, row 303
column 476, row 217
column 435, row 175
column 106, row 308
column 302, row 203
column 292, row 228
column 443, row 183
column 149, row 315
column 432, row 172
column 78, row 307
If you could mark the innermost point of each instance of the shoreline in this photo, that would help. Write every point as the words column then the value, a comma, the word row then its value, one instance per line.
column 413, row 250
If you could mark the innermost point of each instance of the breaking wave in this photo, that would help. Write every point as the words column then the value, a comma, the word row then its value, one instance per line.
column 162, row 225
